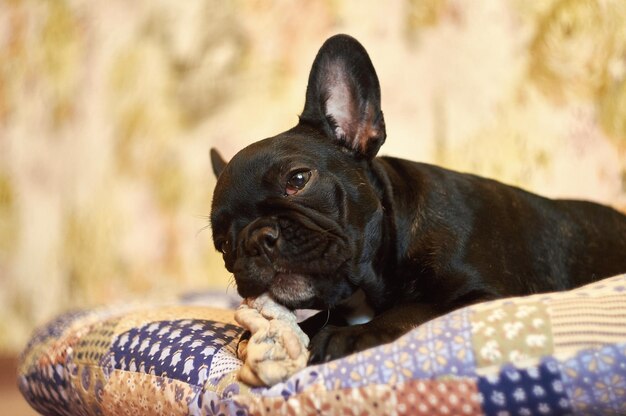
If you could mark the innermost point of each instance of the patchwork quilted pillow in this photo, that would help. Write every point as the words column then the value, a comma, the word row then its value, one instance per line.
column 559, row 353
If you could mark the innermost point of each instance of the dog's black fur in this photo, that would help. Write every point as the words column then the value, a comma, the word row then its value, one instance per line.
column 312, row 216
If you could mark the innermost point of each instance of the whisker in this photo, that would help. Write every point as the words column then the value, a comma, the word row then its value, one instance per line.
column 202, row 217
column 231, row 282
column 202, row 229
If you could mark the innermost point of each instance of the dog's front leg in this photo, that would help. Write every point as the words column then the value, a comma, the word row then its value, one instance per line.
column 333, row 342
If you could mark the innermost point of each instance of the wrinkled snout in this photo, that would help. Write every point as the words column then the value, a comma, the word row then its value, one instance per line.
column 261, row 239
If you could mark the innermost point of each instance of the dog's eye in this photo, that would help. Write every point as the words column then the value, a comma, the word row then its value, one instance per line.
column 224, row 246
column 297, row 181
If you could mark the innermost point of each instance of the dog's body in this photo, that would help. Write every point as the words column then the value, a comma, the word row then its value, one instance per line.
column 313, row 217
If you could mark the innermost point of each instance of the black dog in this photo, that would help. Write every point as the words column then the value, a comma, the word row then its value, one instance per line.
column 313, row 217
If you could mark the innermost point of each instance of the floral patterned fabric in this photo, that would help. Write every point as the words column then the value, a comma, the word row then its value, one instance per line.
column 554, row 354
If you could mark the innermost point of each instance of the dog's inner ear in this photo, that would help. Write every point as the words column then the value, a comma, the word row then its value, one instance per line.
column 343, row 96
column 217, row 162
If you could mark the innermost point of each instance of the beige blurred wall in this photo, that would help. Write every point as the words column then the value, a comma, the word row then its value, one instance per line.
column 108, row 109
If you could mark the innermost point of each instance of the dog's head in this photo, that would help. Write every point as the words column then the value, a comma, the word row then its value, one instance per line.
column 300, row 214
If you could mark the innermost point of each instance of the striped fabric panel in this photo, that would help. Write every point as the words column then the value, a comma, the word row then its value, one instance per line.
column 587, row 322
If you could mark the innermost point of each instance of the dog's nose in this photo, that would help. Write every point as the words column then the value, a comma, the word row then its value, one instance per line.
column 264, row 239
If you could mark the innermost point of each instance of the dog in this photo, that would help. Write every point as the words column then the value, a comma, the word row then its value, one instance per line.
column 316, row 219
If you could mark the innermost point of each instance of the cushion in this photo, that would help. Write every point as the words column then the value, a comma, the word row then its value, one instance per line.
column 558, row 353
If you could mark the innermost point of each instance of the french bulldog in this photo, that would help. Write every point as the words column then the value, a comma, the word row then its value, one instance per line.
column 313, row 217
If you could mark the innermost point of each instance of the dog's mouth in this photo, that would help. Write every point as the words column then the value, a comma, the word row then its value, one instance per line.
column 294, row 290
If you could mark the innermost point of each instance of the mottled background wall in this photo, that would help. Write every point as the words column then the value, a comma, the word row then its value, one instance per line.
column 108, row 109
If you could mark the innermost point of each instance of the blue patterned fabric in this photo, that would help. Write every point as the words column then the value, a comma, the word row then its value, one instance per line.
column 181, row 349
column 596, row 380
column 536, row 390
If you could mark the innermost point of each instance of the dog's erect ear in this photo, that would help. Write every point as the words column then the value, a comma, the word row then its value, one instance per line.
column 217, row 162
column 343, row 96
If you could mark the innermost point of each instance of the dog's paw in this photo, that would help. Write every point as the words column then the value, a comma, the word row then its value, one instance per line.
column 333, row 342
